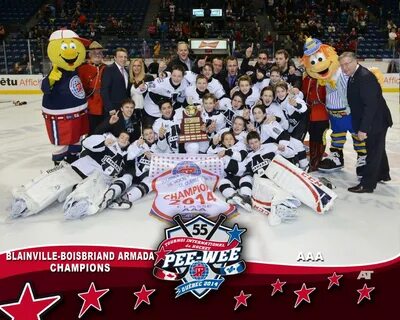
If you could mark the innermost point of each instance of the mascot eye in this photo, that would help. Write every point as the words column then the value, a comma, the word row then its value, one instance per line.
column 313, row 61
column 64, row 46
column 72, row 45
column 320, row 59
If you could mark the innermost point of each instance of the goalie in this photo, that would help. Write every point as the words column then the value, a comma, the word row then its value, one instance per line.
column 81, row 185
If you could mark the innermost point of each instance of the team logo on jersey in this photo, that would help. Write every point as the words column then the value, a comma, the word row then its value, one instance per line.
column 76, row 87
column 200, row 253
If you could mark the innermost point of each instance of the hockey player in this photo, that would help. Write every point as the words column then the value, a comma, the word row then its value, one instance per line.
column 295, row 109
column 251, row 95
column 141, row 152
column 232, row 153
column 271, row 131
column 273, row 110
column 238, row 129
column 236, row 108
column 104, row 160
column 167, row 127
column 172, row 88
column 194, row 94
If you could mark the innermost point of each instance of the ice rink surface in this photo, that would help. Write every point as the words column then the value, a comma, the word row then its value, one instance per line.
column 360, row 229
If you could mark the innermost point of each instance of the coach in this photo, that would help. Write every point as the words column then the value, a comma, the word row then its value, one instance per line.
column 371, row 118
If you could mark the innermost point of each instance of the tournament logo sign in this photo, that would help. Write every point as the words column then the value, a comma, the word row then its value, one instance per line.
column 199, row 253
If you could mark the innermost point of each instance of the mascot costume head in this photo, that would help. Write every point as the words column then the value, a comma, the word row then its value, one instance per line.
column 64, row 102
column 320, row 60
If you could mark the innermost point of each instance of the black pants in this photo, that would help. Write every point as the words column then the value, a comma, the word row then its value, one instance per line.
column 377, row 166
column 316, row 129
column 299, row 132
column 94, row 121
column 147, row 119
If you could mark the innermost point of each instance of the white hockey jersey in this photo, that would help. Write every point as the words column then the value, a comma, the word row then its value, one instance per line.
column 293, row 113
column 160, row 89
column 136, row 153
column 173, row 130
column 216, row 116
column 110, row 160
column 258, row 161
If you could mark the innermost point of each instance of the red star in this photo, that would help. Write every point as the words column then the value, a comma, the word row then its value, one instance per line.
column 277, row 286
column 364, row 293
column 91, row 298
column 303, row 294
column 28, row 308
column 241, row 299
column 143, row 295
column 334, row 279
column 161, row 254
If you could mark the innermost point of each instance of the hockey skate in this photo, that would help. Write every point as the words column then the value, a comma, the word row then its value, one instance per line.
column 76, row 209
column 243, row 201
column 120, row 204
column 333, row 162
column 108, row 198
column 18, row 207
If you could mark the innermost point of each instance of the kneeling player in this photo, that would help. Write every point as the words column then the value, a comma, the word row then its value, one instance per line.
column 236, row 189
column 104, row 159
column 141, row 152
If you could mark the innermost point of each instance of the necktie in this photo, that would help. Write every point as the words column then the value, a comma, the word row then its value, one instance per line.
column 123, row 73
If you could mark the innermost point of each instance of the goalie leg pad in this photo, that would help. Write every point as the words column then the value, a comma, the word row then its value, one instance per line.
column 43, row 190
column 90, row 191
column 300, row 184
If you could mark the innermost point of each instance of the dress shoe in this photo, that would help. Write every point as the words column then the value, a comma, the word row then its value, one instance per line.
column 385, row 179
column 360, row 189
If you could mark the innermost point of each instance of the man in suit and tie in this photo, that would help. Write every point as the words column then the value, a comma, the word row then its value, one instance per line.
column 370, row 117
column 230, row 78
column 115, row 83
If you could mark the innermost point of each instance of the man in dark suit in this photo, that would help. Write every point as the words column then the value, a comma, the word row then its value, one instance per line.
column 371, row 118
column 115, row 83
column 229, row 78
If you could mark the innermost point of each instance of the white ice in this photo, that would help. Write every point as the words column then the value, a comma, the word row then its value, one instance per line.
column 360, row 229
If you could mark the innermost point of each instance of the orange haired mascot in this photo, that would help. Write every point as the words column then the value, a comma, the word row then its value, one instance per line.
column 322, row 64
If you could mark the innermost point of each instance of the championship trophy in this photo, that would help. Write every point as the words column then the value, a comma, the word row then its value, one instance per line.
column 191, row 126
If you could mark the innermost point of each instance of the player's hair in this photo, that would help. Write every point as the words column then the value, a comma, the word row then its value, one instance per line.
column 146, row 127
column 120, row 49
column 282, row 84
column 259, row 106
column 268, row 88
column 164, row 101
column 207, row 64
column 209, row 96
column 275, row 69
column 244, row 78
column 200, row 76
column 125, row 132
column 126, row 101
column 178, row 67
column 240, row 95
column 282, row 51
column 225, row 134
column 240, row 118
column 252, row 135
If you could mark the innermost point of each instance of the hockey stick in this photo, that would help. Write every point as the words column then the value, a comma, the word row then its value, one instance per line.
column 178, row 219
column 220, row 220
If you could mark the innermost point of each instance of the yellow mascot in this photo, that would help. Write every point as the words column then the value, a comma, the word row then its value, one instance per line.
column 64, row 103
column 321, row 62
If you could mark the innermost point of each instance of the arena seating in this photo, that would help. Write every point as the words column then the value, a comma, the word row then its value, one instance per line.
column 18, row 11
